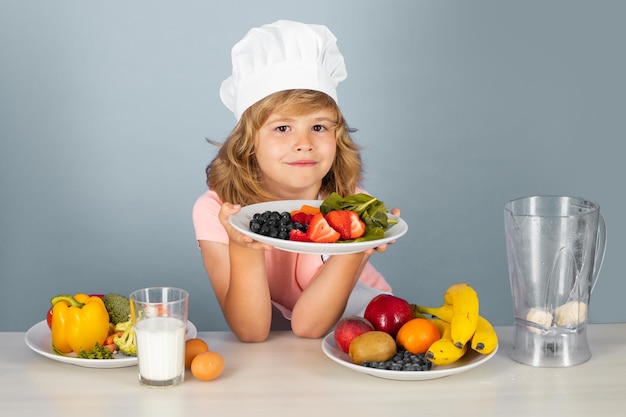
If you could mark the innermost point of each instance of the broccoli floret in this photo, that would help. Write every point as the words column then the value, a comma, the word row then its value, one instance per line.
column 123, row 326
column 97, row 352
column 118, row 307
column 126, row 342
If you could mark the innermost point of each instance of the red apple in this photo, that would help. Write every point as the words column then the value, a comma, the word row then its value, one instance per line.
column 388, row 313
column 348, row 328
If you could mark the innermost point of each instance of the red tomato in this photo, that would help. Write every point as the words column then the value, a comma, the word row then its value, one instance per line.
column 49, row 318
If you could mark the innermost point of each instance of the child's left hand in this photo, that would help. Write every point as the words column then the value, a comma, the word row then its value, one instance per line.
column 234, row 235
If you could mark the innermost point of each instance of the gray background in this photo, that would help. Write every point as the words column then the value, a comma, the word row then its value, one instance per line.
column 459, row 105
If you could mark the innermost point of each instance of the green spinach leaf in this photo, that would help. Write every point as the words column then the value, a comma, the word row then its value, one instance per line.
column 372, row 211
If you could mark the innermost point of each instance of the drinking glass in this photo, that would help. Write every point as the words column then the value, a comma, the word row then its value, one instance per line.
column 160, row 317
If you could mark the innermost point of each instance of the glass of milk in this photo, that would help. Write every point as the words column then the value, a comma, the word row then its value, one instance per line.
column 160, row 315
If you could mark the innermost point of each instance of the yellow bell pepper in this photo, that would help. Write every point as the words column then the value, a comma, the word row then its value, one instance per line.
column 78, row 322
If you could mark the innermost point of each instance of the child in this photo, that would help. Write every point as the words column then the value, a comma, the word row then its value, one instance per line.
column 291, row 142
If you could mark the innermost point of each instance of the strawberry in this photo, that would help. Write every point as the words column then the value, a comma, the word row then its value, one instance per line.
column 301, row 217
column 357, row 226
column 298, row 236
column 320, row 231
column 347, row 223
column 340, row 221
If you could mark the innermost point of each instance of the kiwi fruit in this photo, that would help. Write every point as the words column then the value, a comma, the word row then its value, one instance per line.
column 372, row 346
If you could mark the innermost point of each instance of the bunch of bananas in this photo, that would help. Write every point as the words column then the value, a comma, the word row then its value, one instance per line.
column 459, row 324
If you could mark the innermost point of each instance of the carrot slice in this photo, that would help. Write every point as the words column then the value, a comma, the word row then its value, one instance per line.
column 309, row 209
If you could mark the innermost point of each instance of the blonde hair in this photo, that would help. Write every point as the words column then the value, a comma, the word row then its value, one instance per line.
column 234, row 173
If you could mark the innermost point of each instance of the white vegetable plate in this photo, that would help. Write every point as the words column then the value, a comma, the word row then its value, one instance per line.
column 39, row 339
column 241, row 222
column 471, row 360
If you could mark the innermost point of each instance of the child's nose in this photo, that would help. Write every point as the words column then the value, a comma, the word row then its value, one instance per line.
column 304, row 143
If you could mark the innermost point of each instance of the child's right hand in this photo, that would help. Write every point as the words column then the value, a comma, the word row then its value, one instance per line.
column 236, row 237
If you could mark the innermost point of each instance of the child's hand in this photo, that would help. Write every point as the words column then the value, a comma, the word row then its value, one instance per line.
column 234, row 235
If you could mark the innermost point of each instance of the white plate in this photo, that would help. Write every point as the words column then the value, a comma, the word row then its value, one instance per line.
column 39, row 339
column 241, row 222
column 471, row 360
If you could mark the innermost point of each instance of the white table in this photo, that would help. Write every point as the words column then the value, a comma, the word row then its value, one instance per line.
column 289, row 376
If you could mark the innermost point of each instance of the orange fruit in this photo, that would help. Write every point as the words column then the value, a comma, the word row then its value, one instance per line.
column 193, row 347
column 416, row 335
column 207, row 366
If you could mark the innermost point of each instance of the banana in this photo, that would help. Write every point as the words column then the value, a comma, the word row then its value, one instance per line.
column 444, row 351
column 443, row 312
column 485, row 338
column 443, row 327
column 464, row 301
column 460, row 309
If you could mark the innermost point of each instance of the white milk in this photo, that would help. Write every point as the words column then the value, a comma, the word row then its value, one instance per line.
column 161, row 348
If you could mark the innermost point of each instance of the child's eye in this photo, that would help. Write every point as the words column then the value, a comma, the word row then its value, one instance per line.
column 282, row 128
column 319, row 128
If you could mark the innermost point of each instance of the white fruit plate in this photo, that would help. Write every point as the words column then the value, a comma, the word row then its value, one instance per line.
column 471, row 360
column 241, row 222
column 39, row 339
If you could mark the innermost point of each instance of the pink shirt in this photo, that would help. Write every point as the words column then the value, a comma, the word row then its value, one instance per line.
column 288, row 273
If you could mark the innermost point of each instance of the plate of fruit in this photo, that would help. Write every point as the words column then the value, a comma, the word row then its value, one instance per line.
column 469, row 361
column 333, row 226
column 394, row 339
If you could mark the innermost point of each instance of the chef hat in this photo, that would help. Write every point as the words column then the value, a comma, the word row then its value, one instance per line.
column 283, row 55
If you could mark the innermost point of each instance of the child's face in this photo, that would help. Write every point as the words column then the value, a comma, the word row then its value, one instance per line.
column 296, row 152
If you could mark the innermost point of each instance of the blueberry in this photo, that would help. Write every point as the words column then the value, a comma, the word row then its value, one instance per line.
column 255, row 226
column 274, row 215
column 403, row 361
column 273, row 224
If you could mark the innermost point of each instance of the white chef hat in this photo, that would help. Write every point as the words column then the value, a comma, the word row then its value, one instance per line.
column 283, row 55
